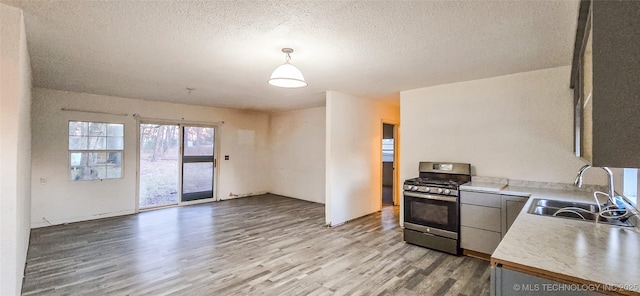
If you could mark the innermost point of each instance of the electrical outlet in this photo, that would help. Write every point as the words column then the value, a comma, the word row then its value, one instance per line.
column 226, row 157
column 43, row 181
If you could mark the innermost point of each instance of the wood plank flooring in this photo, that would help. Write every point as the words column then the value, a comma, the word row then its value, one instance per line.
column 262, row 245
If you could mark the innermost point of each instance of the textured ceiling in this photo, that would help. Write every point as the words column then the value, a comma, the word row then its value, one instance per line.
column 227, row 50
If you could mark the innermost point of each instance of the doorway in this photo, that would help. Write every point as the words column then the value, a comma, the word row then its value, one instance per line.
column 177, row 164
column 159, row 155
column 388, row 164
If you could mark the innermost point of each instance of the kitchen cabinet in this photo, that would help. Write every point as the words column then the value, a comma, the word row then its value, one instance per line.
column 485, row 218
column 605, row 72
column 506, row 282
column 480, row 221
column 511, row 207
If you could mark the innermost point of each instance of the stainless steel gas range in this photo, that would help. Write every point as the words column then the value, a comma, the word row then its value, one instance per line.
column 432, row 207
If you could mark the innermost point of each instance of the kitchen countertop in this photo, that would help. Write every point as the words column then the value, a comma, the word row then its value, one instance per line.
column 483, row 186
column 568, row 250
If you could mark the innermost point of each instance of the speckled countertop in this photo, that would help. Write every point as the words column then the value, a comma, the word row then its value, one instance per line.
column 483, row 186
column 584, row 252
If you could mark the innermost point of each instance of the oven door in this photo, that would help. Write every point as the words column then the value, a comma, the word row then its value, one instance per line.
column 431, row 213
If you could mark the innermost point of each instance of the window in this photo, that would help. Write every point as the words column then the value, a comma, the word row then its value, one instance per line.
column 630, row 185
column 95, row 150
column 387, row 150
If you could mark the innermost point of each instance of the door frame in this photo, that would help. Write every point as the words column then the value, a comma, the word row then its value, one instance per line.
column 180, row 123
column 396, row 163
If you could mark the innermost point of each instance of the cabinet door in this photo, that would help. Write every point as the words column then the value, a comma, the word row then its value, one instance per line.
column 505, row 282
column 616, row 92
column 586, row 146
column 511, row 207
column 605, row 75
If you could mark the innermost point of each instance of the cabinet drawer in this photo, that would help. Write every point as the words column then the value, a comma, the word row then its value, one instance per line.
column 480, row 217
column 480, row 199
column 479, row 240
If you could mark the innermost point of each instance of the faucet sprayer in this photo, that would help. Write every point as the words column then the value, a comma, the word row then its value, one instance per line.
column 578, row 181
column 621, row 212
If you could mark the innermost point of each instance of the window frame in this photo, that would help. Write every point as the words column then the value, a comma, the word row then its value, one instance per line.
column 70, row 151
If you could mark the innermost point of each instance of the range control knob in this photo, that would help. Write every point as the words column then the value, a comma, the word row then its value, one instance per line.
column 439, row 190
column 427, row 189
column 447, row 191
column 415, row 188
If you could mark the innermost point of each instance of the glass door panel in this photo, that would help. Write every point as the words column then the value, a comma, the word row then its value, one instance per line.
column 197, row 163
column 159, row 164
column 197, row 177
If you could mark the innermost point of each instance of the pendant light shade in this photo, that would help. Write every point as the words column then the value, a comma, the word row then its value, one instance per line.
column 287, row 75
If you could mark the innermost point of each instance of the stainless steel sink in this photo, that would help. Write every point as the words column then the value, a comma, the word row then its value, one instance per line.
column 565, row 204
column 571, row 210
column 582, row 215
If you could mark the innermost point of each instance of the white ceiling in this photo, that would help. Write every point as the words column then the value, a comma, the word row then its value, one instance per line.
column 227, row 50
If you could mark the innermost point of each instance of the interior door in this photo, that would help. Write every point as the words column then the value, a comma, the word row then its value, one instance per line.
column 198, row 163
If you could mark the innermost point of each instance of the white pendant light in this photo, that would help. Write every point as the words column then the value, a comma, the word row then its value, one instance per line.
column 287, row 75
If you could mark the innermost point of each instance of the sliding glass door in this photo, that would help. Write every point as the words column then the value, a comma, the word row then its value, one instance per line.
column 177, row 164
column 197, row 163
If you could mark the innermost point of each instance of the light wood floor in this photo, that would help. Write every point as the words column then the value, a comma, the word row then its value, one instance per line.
column 263, row 245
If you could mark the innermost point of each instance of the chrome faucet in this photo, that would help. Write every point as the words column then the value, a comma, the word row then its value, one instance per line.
column 578, row 182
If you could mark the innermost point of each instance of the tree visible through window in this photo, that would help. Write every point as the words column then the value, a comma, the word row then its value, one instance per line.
column 95, row 150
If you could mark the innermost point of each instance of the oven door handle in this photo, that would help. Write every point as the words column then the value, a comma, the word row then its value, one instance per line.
column 429, row 196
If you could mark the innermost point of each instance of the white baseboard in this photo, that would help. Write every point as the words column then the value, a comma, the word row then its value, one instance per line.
column 296, row 197
column 44, row 221
column 243, row 195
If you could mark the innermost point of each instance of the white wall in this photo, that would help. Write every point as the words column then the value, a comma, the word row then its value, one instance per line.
column 297, row 159
column 244, row 137
column 15, row 149
column 354, row 158
column 517, row 126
